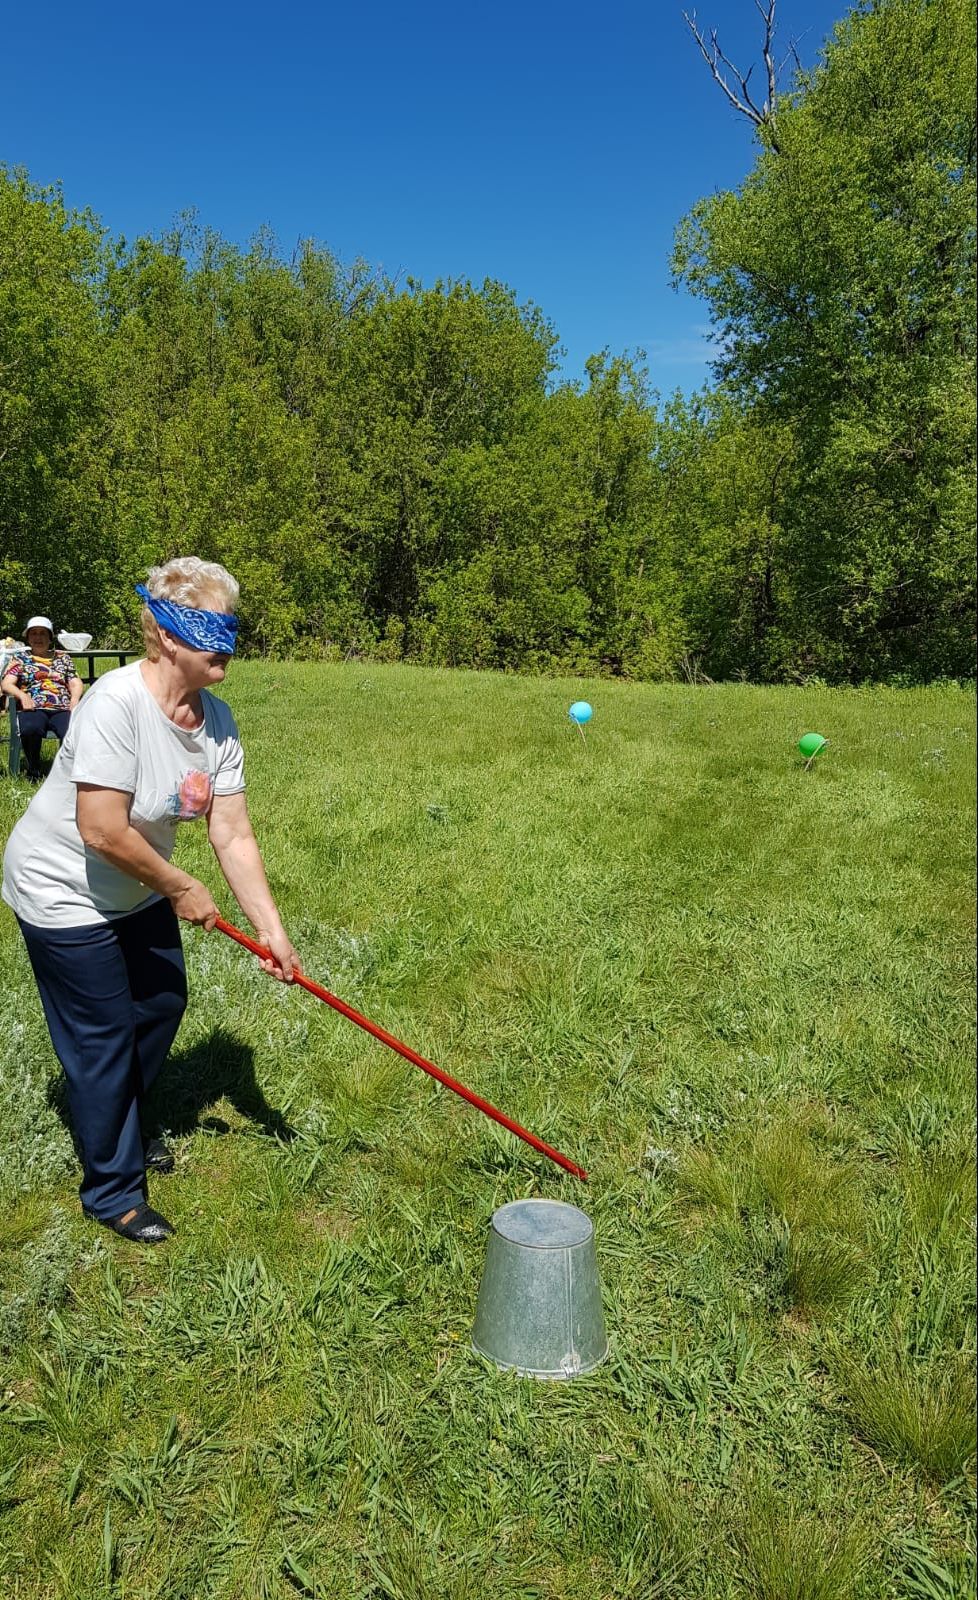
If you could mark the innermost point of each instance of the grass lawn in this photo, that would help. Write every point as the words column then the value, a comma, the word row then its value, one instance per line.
column 738, row 992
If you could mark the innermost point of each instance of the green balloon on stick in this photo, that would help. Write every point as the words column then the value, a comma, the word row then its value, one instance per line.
column 811, row 745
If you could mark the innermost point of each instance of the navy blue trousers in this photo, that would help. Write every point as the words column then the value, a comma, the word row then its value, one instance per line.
column 33, row 727
column 113, row 995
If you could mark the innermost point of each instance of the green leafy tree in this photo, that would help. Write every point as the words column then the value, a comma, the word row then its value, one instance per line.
column 51, row 471
column 727, row 477
column 426, row 374
column 842, row 280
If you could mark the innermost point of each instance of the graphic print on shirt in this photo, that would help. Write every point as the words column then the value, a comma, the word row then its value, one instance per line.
column 192, row 798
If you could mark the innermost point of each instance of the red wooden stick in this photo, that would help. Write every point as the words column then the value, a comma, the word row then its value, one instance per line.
column 408, row 1054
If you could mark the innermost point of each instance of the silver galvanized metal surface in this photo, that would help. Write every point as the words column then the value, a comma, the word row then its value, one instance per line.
column 539, row 1308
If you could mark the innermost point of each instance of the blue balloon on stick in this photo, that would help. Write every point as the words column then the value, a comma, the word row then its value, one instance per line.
column 580, row 712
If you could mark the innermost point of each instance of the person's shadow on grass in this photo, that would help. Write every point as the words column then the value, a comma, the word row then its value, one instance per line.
column 216, row 1068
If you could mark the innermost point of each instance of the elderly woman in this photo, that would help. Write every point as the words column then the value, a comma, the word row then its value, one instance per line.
column 45, row 686
column 87, row 871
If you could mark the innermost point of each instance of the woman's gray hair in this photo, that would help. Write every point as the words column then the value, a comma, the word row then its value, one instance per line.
column 187, row 581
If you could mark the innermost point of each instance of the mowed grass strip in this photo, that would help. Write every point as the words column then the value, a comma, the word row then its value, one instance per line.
column 738, row 992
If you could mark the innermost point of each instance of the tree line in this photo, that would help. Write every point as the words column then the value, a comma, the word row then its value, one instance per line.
column 394, row 470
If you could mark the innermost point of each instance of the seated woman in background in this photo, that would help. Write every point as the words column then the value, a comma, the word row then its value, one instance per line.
column 46, row 687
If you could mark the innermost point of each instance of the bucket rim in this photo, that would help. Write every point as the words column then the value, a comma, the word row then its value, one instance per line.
column 541, row 1203
column 545, row 1374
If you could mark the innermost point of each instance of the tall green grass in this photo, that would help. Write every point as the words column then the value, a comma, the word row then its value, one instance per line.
column 738, row 992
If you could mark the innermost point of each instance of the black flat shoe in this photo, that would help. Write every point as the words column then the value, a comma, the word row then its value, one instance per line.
column 140, row 1223
column 158, row 1156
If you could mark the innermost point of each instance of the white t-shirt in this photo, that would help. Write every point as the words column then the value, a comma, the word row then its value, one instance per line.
column 119, row 738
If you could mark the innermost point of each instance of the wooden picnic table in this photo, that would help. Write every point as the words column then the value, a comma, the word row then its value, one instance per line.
column 91, row 656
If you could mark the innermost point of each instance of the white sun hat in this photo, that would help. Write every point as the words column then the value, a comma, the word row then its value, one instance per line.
column 40, row 622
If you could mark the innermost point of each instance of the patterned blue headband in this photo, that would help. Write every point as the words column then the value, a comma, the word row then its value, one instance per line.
column 216, row 631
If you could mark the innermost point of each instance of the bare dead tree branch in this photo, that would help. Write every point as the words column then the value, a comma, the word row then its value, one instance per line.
column 767, row 12
column 791, row 54
column 763, row 116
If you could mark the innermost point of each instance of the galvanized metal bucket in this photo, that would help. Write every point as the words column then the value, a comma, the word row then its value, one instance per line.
column 539, row 1308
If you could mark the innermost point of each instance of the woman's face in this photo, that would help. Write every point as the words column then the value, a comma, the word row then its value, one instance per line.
column 199, row 669
column 38, row 641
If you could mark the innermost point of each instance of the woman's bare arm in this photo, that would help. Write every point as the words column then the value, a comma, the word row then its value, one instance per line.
column 102, row 816
column 236, row 848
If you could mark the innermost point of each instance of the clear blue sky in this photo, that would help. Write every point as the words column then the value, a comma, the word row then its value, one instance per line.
column 551, row 147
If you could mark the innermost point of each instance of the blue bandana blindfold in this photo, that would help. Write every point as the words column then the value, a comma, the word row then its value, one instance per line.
column 216, row 631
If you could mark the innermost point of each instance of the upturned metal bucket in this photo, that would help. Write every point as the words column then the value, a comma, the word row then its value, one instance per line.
column 539, row 1308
